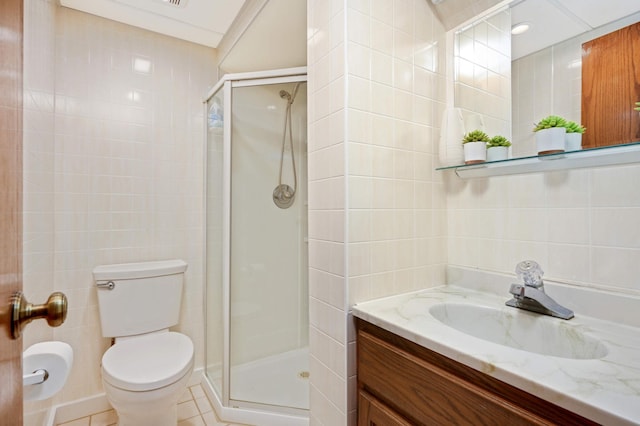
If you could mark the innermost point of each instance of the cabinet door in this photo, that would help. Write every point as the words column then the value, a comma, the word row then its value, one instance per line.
column 372, row 412
column 425, row 388
column 428, row 394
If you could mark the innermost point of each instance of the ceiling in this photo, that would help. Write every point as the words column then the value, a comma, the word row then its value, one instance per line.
column 199, row 21
column 276, row 38
column 553, row 21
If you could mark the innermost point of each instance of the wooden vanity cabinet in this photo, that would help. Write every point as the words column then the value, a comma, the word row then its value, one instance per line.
column 401, row 383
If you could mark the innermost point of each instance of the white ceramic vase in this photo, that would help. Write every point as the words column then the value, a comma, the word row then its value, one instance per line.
column 475, row 152
column 550, row 141
column 497, row 153
column 573, row 142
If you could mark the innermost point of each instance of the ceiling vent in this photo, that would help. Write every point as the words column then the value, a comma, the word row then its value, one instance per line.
column 176, row 3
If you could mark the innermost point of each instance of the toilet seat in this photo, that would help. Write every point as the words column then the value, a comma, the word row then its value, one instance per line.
column 148, row 362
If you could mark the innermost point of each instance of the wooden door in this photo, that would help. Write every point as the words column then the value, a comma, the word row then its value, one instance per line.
column 611, row 87
column 11, row 30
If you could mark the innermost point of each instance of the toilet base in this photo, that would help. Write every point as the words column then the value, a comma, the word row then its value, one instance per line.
column 158, row 407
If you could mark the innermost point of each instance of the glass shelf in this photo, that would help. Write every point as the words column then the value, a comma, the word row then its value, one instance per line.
column 593, row 157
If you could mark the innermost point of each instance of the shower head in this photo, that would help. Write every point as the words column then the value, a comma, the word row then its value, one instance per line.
column 285, row 95
column 290, row 97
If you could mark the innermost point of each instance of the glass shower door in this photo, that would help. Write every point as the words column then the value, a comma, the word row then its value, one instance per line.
column 268, row 253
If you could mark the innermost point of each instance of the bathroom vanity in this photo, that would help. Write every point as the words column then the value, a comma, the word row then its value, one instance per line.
column 399, row 380
column 454, row 355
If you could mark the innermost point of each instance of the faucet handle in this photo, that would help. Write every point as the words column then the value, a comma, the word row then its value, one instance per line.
column 530, row 273
column 517, row 290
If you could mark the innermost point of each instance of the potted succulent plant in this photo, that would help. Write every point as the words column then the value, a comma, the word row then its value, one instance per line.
column 573, row 137
column 475, row 147
column 498, row 148
column 550, row 134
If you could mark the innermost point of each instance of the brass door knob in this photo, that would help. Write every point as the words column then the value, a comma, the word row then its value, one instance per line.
column 23, row 312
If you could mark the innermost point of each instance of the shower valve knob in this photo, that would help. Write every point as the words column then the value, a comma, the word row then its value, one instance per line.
column 283, row 196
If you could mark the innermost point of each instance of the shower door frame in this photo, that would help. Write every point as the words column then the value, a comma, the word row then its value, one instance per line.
column 227, row 83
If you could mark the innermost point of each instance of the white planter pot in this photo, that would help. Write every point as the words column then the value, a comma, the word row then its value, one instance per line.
column 497, row 153
column 550, row 141
column 475, row 152
column 573, row 142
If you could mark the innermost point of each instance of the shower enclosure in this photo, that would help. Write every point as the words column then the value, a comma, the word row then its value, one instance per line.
column 256, row 303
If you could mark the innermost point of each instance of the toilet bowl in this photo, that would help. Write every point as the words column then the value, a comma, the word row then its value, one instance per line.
column 144, row 377
column 146, row 370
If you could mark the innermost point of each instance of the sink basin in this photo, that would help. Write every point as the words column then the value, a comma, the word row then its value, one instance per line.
column 520, row 330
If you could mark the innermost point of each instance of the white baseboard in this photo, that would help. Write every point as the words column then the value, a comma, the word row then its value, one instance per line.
column 77, row 409
column 94, row 404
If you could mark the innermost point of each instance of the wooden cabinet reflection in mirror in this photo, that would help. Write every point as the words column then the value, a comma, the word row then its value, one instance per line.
column 611, row 87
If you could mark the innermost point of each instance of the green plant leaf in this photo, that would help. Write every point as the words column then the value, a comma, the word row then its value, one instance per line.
column 498, row 140
column 475, row 136
column 549, row 122
column 573, row 127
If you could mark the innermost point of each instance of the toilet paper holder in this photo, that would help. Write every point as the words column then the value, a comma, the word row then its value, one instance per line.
column 54, row 310
column 35, row 378
column 45, row 369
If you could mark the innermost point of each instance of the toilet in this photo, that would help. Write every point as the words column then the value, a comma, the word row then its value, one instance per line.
column 146, row 371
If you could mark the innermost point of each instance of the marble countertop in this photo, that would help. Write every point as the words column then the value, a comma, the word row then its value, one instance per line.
column 606, row 390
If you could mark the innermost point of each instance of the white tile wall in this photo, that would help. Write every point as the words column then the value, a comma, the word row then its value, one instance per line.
column 38, row 158
column 370, row 175
column 482, row 57
column 326, row 147
column 113, row 168
column 38, row 164
column 580, row 225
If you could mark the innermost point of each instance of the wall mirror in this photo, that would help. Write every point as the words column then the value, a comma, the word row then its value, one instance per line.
column 506, row 82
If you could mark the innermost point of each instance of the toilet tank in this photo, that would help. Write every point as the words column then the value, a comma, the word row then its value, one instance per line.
column 137, row 298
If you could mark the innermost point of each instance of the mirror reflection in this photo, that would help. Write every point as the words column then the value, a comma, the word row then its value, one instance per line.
column 504, row 82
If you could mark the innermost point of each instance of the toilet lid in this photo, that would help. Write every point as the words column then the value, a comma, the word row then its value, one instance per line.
column 148, row 362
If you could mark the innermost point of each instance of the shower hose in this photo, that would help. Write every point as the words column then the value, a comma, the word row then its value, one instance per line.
column 284, row 195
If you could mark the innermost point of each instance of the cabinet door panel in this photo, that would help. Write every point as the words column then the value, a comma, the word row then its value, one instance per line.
column 430, row 395
column 372, row 412
column 427, row 388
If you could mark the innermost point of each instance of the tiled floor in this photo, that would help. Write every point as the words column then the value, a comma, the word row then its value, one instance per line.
column 194, row 409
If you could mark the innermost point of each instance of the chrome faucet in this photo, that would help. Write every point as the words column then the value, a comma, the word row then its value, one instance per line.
column 531, row 295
